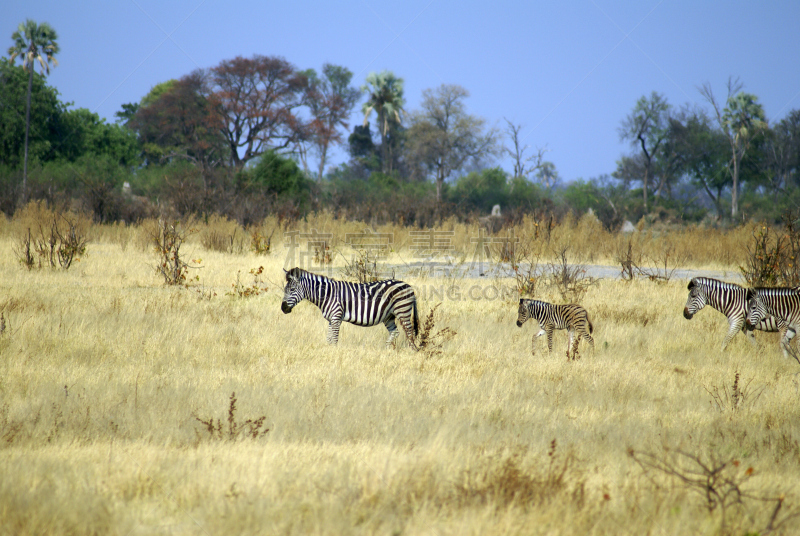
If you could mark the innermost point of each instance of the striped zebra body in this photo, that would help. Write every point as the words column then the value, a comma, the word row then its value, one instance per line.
column 731, row 300
column 551, row 317
column 782, row 303
column 370, row 304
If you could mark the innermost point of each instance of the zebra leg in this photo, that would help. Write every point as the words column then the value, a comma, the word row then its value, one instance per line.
column 572, row 344
column 333, row 331
column 549, row 330
column 590, row 340
column 786, row 344
column 393, row 331
column 734, row 325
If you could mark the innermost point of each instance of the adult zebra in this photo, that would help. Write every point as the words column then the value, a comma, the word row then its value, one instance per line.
column 782, row 303
column 366, row 304
column 731, row 300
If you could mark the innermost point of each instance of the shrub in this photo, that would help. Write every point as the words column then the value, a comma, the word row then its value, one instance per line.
column 53, row 238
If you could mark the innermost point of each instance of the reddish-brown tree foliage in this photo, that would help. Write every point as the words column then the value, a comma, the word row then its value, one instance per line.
column 258, row 99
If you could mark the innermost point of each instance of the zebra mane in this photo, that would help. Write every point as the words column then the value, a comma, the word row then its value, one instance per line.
column 707, row 282
column 772, row 291
column 299, row 273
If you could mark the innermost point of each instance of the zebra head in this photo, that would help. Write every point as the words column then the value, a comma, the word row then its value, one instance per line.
column 756, row 311
column 696, row 301
column 524, row 312
column 293, row 292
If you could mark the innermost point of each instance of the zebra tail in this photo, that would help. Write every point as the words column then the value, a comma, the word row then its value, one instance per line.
column 416, row 319
column 591, row 327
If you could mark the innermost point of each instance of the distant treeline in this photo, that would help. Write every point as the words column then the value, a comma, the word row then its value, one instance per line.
column 253, row 136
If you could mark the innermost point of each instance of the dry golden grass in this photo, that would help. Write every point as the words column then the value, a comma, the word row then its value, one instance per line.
column 105, row 375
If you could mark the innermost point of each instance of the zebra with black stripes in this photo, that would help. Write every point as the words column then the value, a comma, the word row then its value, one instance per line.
column 782, row 303
column 367, row 304
column 729, row 299
column 551, row 317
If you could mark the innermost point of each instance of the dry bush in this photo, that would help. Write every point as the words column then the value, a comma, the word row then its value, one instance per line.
column 772, row 255
column 735, row 399
column 167, row 238
column 223, row 235
column 259, row 243
column 570, row 280
column 508, row 482
column 240, row 290
column 50, row 237
column 363, row 267
column 722, row 484
column 429, row 342
column 252, row 428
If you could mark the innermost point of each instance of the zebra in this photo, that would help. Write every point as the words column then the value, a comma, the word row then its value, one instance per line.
column 573, row 318
column 782, row 303
column 361, row 304
column 730, row 300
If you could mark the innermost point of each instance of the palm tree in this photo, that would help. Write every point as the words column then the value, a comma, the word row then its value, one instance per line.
column 33, row 42
column 744, row 118
column 386, row 99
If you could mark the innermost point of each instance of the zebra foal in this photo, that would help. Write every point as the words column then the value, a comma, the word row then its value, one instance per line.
column 782, row 303
column 551, row 317
column 731, row 300
column 366, row 304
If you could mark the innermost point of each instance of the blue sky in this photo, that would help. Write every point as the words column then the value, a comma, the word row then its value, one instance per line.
column 568, row 71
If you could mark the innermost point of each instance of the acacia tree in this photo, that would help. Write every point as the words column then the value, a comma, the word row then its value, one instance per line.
column 258, row 99
column 444, row 138
column 385, row 97
column 741, row 120
column 33, row 42
column 647, row 126
column 331, row 100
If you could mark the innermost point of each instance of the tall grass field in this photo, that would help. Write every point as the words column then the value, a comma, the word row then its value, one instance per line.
column 128, row 406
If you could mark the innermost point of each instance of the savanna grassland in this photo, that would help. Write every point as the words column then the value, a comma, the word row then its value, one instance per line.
column 118, row 413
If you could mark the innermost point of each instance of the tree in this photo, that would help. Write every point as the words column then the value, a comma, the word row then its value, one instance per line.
column 181, row 119
column 523, row 165
column 82, row 132
column 547, row 175
column 444, row 138
column 647, row 126
column 258, row 99
column 700, row 153
column 331, row 100
column 44, row 117
column 741, row 120
column 385, row 97
column 33, row 42
column 783, row 152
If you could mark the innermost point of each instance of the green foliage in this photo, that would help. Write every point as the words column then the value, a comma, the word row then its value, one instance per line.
column 82, row 133
column 481, row 190
column 46, row 110
column 277, row 176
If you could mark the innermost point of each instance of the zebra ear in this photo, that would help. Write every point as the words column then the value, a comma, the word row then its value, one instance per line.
column 520, row 301
column 691, row 285
column 749, row 295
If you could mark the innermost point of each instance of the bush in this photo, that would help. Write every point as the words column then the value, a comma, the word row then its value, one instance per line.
column 45, row 237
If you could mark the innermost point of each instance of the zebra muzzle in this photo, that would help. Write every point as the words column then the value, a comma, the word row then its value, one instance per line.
column 686, row 314
column 285, row 308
